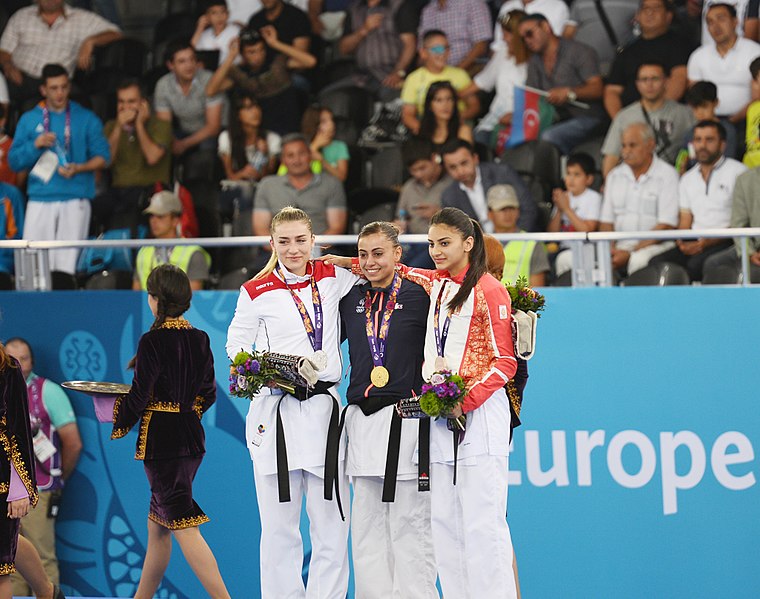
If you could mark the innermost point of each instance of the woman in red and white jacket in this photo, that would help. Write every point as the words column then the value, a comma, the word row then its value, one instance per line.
column 291, row 307
column 469, row 332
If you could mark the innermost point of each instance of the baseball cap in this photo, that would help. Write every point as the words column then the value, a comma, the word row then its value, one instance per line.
column 164, row 202
column 502, row 196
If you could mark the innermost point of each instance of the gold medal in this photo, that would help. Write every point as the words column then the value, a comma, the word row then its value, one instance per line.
column 440, row 364
column 379, row 376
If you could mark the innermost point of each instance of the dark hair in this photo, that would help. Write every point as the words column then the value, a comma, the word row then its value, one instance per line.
column 170, row 286
column 729, row 7
column 717, row 125
column 754, row 67
column 177, row 45
column 310, row 120
column 428, row 123
column 430, row 33
column 537, row 17
column 25, row 342
column 583, row 161
column 415, row 149
column 2, row 111
column 703, row 92
column 51, row 70
column 5, row 359
column 249, row 36
column 236, row 132
column 467, row 227
column 654, row 63
column 667, row 5
column 211, row 3
column 379, row 227
column 454, row 145
column 128, row 82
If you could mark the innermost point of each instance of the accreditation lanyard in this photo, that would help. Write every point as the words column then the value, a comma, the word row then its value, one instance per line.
column 66, row 127
column 377, row 338
column 441, row 334
column 313, row 329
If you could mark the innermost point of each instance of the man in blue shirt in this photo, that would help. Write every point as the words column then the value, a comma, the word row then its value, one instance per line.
column 63, row 145
column 11, row 221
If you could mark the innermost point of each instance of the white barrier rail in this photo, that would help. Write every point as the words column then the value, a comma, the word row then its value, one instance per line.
column 589, row 268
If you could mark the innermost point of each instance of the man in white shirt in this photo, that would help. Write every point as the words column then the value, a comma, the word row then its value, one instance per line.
column 555, row 11
column 705, row 196
column 725, row 63
column 639, row 195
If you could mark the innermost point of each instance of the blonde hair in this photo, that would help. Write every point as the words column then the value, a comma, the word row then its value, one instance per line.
column 5, row 359
column 289, row 214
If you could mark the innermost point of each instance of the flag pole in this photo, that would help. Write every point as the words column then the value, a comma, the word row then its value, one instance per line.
column 544, row 93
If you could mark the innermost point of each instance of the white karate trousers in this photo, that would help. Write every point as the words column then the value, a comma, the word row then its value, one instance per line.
column 281, row 544
column 473, row 547
column 391, row 542
column 66, row 220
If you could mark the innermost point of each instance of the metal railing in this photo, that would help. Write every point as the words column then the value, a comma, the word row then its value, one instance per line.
column 589, row 268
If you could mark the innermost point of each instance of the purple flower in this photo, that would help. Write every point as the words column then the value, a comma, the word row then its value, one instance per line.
column 241, row 370
column 254, row 367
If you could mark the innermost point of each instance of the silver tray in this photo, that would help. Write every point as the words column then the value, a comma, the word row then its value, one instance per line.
column 97, row 388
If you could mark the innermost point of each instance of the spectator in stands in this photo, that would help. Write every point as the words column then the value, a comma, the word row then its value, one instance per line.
column 669, row 120
column 328, row 154
column 473, row 179
column 507, row 68
column 434, row 54
column 11, row 221
column 214, row 30
column 752, row 134
column 746, row 20
column 521, row 258
column 555, row 11
column 382, row 35
column 576, row 208
column 165, row 212
column 52, row 419
column 420, row 196
column 49, row 32
column 320, row 195
column 270, row 81
column 587, row 25
column 657, row 43
column 7, row 175
column 467, row 26
column 140, row 146
column 440, row 119
column 745, row 212
column 63, row 144
column 725, row 62
column 641, row 194
column 292, row 28
column 704, row 198
column 569, row 71
column 702, row 99
column 180, row 97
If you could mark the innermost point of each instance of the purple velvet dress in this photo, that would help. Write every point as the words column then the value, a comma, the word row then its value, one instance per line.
column 16, row 448
column 172, row 387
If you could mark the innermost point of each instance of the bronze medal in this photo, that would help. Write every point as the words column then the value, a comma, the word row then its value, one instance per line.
column 379, row 376
column 440, row 364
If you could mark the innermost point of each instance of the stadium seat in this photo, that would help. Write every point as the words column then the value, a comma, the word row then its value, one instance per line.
column 177, row 25
column 110, row 279
column 235, row 278
column 352, row 104
column 386, row 167
column 664, row 273
column 63, row 281
column 722, row 275
column 6, row 281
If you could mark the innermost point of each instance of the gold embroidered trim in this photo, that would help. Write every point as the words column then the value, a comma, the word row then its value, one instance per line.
column 418, row 279
column 12, row 451
column 142, row 436
column 118, row 433
column 514, row 396
column 181, row 523
column 479, row 352
column 162, row 406
column 5, row 487
column 176, row 324
column 6, row 569
column 198, row 406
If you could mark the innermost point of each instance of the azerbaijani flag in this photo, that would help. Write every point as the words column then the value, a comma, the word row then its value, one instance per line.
column 532, row 114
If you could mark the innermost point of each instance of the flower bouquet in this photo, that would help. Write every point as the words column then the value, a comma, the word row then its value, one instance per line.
column 526, row 305
column 251, row 371
column 441, row 395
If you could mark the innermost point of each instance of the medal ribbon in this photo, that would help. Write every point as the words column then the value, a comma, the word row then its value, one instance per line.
column 377, row 341
column 313, row 329
column 441, row 334
column 66, row 127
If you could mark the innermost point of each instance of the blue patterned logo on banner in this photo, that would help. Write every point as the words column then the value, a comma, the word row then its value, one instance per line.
column 82, row 357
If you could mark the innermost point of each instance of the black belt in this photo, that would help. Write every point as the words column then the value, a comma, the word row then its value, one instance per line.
column 283, row 481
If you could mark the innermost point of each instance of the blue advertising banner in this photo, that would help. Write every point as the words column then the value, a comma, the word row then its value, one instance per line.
column 633, row 475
